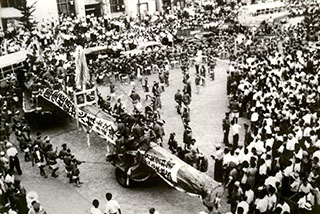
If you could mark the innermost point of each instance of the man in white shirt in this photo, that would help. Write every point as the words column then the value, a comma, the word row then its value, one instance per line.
column 112, row 206
column 242, row 208
column 235, row 129
column 283, row 205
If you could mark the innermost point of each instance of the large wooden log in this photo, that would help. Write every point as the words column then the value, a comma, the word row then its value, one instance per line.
column 181, row 175
column 169, row 167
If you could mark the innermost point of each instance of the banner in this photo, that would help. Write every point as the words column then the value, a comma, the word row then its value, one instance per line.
column 98, row 125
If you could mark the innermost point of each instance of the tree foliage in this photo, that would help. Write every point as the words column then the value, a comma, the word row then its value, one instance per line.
column 27, row 20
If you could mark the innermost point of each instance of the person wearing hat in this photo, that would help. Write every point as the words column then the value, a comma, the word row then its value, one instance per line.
column 202, row 163
column 148, row 137
column 36, row 208
column 135, row 97
column 75, row 171
column 14, row 162
column 187, row 137
column 63, row 152
column 192, row 158
column 159, row 131
column 173, row 144
column 39, row 159
column 52, row 160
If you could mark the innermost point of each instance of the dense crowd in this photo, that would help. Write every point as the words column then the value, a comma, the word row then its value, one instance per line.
column 273, row 81
column 276, row 88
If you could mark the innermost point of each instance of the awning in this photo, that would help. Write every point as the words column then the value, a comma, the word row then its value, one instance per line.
column 10, row 13
column 13, row 58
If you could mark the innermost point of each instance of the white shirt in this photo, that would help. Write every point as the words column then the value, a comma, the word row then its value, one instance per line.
column 94, row 210
column 272, row 202
column 262, row 204
column 285, row 207
column 245, row 207
column 112, row 207
column 11, row 152
column 235, row 128
column 254, row 117
column 250, row 196
column 9, row 179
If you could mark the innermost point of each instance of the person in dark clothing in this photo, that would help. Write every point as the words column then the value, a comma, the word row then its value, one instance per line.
column 52, row 160
column 187, row 137
column 173, row 144
column 226, row 129
column 178, row 99
column 20, row 197
column 247, row 135
column 14, row 162
column 218, row 165
column 64, row 151
column 75, row 171
column 67, row 160
column 38, row 158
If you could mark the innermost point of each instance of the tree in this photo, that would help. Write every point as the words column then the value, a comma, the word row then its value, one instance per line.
column 27, row 20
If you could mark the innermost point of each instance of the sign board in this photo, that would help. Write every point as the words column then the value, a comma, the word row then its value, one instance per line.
column 61, row 100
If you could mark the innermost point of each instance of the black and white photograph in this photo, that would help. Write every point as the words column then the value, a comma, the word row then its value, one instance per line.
column 160, row 106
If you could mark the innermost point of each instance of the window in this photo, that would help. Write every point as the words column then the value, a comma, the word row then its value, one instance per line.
column 117, row 6
column 258, row 12
column 65, row 7
column 267, row 11
column 10, row 3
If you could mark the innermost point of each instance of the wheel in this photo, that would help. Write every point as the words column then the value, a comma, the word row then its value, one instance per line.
column 122, row 178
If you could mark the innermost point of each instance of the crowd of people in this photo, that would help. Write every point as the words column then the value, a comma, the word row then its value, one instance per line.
column 276, row 168
column 273, row 81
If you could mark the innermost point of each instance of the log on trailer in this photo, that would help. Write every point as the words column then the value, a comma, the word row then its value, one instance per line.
column 169, row 167
column 182, row 176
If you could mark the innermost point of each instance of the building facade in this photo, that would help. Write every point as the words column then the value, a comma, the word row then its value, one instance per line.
column 52, row 9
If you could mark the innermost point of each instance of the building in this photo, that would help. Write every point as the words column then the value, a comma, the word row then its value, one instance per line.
column 51, row 9
column 9, row 12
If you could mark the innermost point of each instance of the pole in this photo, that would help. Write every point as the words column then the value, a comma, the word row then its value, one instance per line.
column 139, row 12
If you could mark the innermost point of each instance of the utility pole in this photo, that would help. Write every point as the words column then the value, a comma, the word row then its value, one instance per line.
column 139, row 12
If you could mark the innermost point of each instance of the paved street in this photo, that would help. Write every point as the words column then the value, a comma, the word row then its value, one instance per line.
column 98, row 177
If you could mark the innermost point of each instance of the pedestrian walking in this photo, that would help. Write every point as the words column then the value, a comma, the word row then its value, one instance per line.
column 39, row 159
column 75, row 171
column 52, row 160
